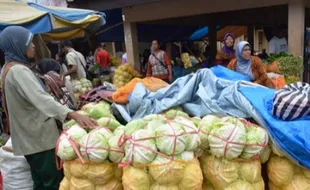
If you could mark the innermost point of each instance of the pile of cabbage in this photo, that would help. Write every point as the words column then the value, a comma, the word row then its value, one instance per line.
column 283, row 174
column 223, row 174
column 101, row 112
column 159, row 154
column 231, row 138
column 123, row 75
column 81, row 86
column 79, row 176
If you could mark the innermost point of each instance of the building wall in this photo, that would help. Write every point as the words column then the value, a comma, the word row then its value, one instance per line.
column 181, row 8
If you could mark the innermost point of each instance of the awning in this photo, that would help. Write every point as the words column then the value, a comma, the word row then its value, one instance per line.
column 57, row 23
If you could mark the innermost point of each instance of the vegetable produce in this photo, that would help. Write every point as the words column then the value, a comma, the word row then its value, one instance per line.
column 234, row 175
column 256, row 140
column 227, row 141
column 124, row 74
column 95, row 146
column 170, row 141
column 145, row 152
column 205, row 126
column 283, row 174
column 67, row 141
column 81, row 86
column 109, row 123
column 103, row 176
column 186, row 60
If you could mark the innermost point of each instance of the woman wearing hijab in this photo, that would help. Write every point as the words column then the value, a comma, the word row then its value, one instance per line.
column 248, row 65
column 31, row 111
column 227, row 53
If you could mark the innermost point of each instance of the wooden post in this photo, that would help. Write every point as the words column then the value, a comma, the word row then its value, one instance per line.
column 132, row 46
column 296, row 27
column 212, row 42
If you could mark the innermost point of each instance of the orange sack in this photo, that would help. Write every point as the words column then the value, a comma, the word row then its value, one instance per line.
column 151, row 83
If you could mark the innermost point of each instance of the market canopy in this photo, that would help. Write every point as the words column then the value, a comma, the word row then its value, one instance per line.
column 56, row 23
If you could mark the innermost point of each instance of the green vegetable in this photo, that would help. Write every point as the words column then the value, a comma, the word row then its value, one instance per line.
column 206, row 125
column 291, row 65
column 274, row 57
column 134, row 126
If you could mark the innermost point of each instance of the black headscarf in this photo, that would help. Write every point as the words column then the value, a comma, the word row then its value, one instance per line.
column 47, row 65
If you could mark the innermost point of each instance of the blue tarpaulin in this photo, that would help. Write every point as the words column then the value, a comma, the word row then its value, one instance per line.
column 203, row 93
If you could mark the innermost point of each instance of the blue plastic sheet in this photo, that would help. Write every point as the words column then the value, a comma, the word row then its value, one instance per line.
column 292, row 137
column 225, row 73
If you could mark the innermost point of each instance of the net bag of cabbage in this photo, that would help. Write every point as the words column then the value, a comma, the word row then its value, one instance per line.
column 232, row 149
column 90, row 159
column 283, row 174
column 159, row 154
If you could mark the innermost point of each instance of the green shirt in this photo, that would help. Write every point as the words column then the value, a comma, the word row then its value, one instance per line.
column 32, row 112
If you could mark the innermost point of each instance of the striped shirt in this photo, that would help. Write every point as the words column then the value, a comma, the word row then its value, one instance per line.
column 156, row 67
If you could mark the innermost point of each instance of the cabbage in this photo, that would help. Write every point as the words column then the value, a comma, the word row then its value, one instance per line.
column 169, row 144
column 65, row 184
column 81, row 184
column 255, row 136
column 265, row 154
column 232, row 120
column 196, row 121
column 100, row 173
column 78, row 169
column 119, row 131
column 219, row 173
column 219, row 138
column 157, row 186
column 81, row 112
column 109, row 123
column 164, row 171
column 99, row 111
column 95, row 147
column 251, row 171
column 154, row 117
column 134, row 126
column 141, row 155
column 240, row 185
column 152, row 125
column 77, row 88
column 205, row 126
column 298, row 183
column 115, row 155
column 192, row 178
column 193, row 139
column 88, row 107
column 113, row 184
column 65, row 149
column 104, row 105
column 280, row 171
column 186, row 156
column 136, row 179
column 172, row 113
column 76, row 82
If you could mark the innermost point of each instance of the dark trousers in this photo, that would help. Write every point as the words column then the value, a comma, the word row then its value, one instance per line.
column 44, row 171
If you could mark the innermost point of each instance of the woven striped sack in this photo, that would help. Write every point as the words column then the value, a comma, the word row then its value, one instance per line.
column 292, row 102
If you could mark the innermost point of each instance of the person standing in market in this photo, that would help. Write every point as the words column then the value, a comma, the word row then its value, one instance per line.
column 75, row 61
column 278, row 42
column 103, row 59
column 159, row 64
column 32, row 112
column 227, row 53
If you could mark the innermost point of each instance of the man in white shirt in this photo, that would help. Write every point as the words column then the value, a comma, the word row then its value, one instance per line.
column 74, row 60
column 278, row 43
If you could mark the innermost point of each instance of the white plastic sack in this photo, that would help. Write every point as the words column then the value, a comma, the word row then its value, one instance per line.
column 15, row 170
